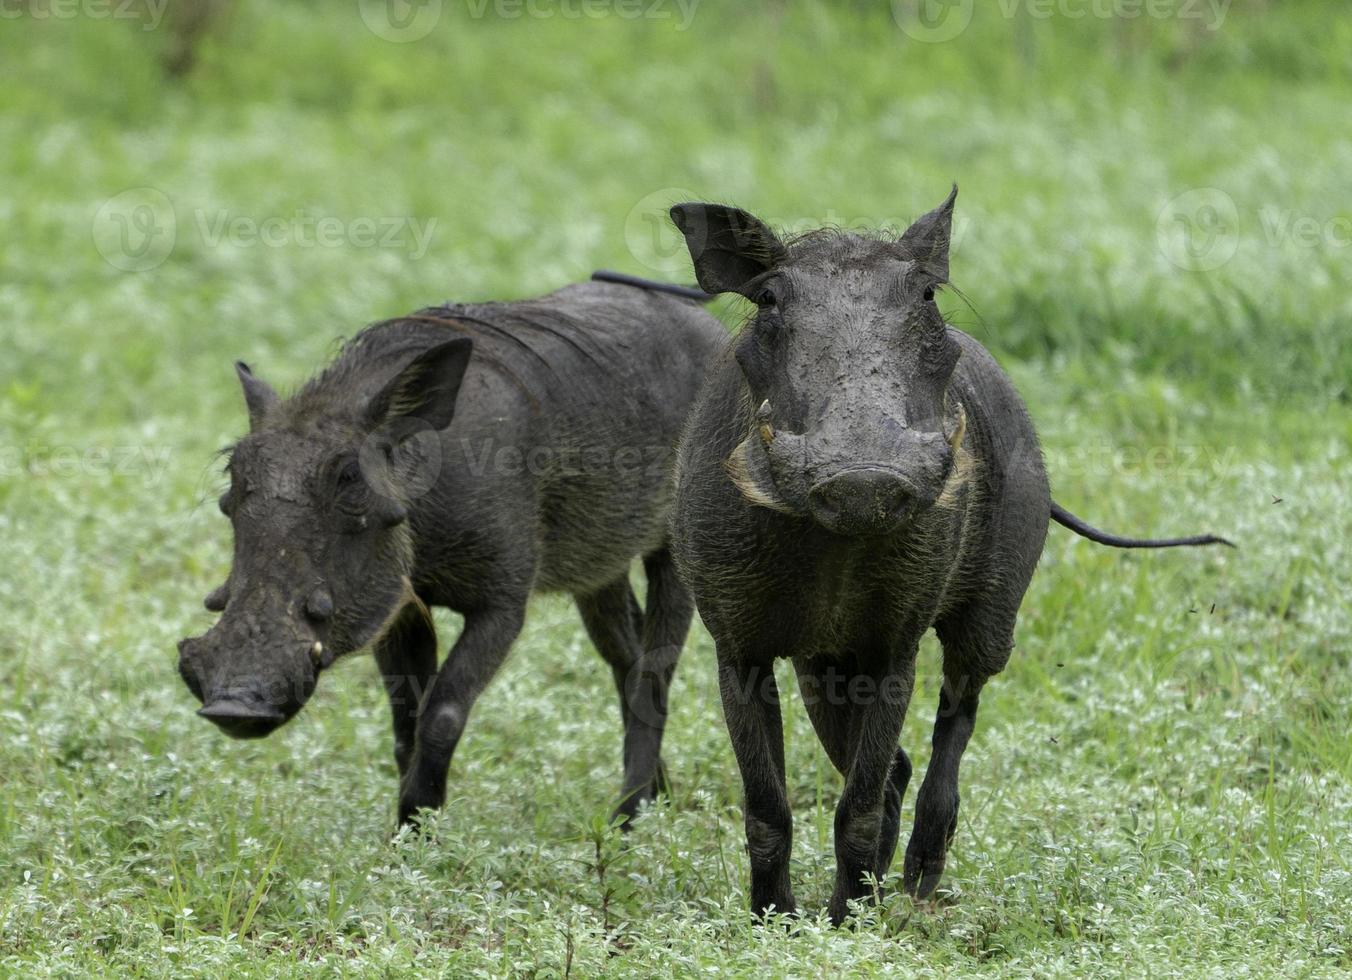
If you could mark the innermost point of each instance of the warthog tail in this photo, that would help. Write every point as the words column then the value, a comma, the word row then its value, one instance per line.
column 689, row 292
column 1066, row 519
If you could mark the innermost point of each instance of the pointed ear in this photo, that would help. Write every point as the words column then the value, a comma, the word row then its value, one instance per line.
column 426, row 389
column 258, row 394
column 926, row 241
column 728, row 246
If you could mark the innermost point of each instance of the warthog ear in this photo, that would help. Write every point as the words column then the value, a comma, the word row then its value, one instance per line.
column 426, row 389
column 258, row 394
column 927, row 240
column 729, row 246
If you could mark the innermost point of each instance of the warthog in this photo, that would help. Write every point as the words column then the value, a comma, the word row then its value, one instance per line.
column 854, row 473
column 464, row 456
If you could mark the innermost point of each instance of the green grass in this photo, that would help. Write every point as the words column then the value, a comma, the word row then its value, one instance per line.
column 1160, row 779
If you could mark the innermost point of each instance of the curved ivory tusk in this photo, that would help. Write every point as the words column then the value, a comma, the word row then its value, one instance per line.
column 955, row 440
column 766, row 430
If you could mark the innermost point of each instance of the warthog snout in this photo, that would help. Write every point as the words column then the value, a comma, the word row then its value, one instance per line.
column 249, row 691
column 242, row 717
column 861, row 500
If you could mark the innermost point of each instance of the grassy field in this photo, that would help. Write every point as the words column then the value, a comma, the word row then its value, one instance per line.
column 1154, row 233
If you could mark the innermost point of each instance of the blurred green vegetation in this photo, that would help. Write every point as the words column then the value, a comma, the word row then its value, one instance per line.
column 1153, row 236
column 1068, row 136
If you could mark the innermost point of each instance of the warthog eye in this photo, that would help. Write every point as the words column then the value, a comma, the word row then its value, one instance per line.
column 929, row 294
column 765, row 298
column 351, row 492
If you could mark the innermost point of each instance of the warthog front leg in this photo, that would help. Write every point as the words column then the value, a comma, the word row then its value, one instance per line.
column 471, row 664
column 751, row 708
column 825, row 692
column 868, row 813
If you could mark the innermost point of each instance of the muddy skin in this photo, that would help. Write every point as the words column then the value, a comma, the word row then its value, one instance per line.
column 465, row 456
column 854, row 473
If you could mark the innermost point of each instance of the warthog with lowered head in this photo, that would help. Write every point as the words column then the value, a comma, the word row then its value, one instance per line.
column 854, row 473
column 464, row 456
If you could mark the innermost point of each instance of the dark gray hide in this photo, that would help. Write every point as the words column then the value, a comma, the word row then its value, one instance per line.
column 854, row 473
column 462, row 457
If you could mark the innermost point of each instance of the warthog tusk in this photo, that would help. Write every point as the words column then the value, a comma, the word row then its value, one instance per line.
column 317, row 652
column 955, row 440
column 766, row 430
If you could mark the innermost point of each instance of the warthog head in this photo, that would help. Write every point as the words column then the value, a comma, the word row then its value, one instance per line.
column 319, row 499
column 848, row 362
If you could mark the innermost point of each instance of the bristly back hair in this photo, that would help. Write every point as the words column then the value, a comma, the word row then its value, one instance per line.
column 386, row 341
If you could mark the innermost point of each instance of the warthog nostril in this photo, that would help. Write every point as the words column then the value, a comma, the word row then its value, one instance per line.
column 860, row 501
